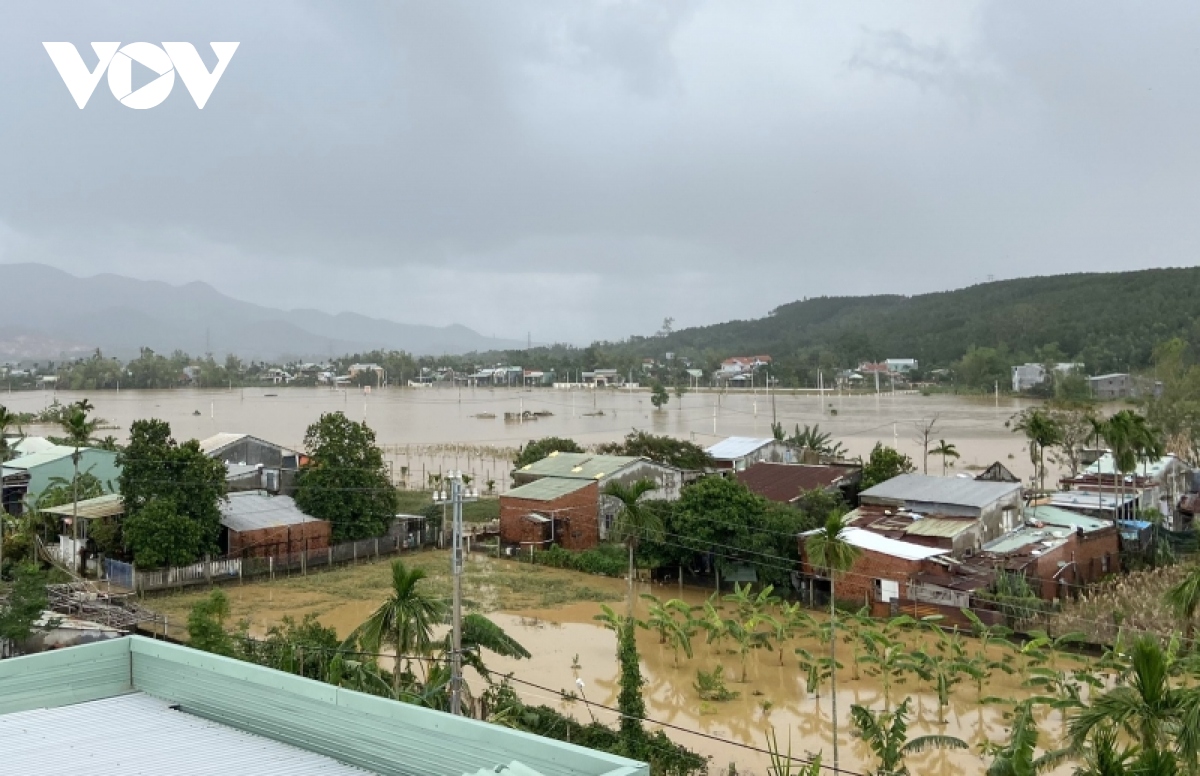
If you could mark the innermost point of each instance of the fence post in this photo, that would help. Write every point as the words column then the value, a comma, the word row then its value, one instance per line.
column 239, row 572
column 133, row 580
column 271, row 566
column 330, row 563
column 208, row 569
column 354, row 546
column 376, row 548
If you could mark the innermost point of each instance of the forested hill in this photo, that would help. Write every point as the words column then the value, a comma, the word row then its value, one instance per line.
column 1111, row 321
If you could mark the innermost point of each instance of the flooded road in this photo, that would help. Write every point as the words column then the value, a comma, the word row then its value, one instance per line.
column 429, row 430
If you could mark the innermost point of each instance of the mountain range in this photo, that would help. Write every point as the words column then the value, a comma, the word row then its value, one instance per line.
column 48, row 313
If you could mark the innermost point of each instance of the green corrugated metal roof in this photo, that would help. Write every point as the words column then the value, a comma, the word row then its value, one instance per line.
column 578, row 466
column 1055, row 516
column 547, row 488
column 936, row 526
column 380, row 735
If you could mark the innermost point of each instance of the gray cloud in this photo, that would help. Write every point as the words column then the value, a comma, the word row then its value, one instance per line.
column 583, row 170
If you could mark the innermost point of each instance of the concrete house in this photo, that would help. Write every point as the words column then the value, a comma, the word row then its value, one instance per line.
column 254, row 464
column 1158, row 485
column 186, row 711
column 1025, row 377
column 552, row 510
column 883, row 571
column 54, row 463
column 600, row 469
column 738, row 453
column 994, row 506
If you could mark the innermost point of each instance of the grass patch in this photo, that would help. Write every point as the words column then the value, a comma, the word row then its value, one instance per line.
column 415, row 502
column 489, row 584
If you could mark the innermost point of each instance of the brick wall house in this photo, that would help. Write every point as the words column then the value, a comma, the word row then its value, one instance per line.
column 257, row 524
column 279, row 540
column 552, row 510
column 884, row 569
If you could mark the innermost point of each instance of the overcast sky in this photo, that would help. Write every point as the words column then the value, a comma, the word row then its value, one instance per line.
column 582, row 170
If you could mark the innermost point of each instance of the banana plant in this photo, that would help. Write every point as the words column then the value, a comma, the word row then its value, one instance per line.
column 886, row 734
column 888, row 660
column 816, row 670
column 942, row 675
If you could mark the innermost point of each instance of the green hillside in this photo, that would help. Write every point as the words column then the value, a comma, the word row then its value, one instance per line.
column 1109, row 321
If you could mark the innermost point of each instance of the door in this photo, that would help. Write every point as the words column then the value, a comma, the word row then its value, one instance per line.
column 889, row 590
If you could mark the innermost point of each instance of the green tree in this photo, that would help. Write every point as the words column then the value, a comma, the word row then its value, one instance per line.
column 829, row 552
column 1042, row 432
column 886, row 733
column 630, row 701
column 8, row 421
column 206, row 625
column 1148, row 708
column 172, row 494
column 78, row 428
column 667, row 450
column 658, row 395
column 25, row 603
column 946, row 451
column 404, row 621
column 1019, row 757
column 884, row 464
column 634, row 521
column 345, row 480
column 537, row 449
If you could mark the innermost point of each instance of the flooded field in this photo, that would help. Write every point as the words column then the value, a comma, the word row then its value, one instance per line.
column 552, row 613
column 430, row 430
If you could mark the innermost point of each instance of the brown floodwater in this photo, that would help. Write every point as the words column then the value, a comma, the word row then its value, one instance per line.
column 438, row 429
column 568, row 644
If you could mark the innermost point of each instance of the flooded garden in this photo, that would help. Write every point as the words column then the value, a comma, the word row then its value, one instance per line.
column 721, row 673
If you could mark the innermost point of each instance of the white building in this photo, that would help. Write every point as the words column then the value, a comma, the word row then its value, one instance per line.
column 901, row 365
column 1027, row 376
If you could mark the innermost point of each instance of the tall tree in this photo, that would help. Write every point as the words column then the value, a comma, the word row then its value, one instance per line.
column 345, row 480
column 634, row 521
column 8, row 421
column 884, row 464
column 924, row 439
column 25, row 603
column 658, row 395
column 78, row 428
column 404, row 621
column 666, row 450
column 946, row 451
column 537, row 449
column 172, row 494
column 1042, row 432
column 828, row 551
column 630, row 701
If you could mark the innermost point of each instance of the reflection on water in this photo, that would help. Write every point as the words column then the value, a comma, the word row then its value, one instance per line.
column 424, row 417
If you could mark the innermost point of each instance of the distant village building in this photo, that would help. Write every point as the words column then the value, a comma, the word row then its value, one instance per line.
column 1154, row 485
column 901, row 366
column 1120, row 385
column 1026, row 377
column 254, row 464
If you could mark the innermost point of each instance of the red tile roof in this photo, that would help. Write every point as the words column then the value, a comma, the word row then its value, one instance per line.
column 784, row 482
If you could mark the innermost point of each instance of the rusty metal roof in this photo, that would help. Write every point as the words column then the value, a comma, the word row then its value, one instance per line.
column 938, row 526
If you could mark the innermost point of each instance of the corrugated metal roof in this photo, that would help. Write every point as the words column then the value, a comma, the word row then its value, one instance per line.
column 31, row 445
column 512, row 769
column 1087, row 500
column 48, row 455
column 218, row 442
column 1037, row 540
column 253, row 510
column 379, row 735
column 938, row 526
column 1055, row 516
column 956, row 491
column 579, row 466
column 784, row 482
column 108, row 505
column 1106, row 465
column 138, row 734
column 737, row 447
column 547, row 489
column 869, row 540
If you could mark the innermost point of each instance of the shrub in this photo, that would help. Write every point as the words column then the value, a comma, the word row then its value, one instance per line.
column 608, row 560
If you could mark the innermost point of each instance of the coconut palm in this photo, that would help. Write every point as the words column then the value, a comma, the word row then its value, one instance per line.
column 886, row 733
column 8, row 421
column 78, row 429
column 946, row 451
column 1042, row 431
column 828, row 551
column 404, row 621
column 634, row 521
column 1147, row 708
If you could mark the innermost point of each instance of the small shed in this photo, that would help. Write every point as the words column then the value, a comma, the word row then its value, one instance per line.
column 257, row 524
column 252, row 463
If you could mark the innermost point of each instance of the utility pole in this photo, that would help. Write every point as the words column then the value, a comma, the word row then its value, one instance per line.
column 457, row 496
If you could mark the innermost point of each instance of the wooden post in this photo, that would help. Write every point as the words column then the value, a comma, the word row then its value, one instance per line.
column 208, row 569
column 376, row 548
column 271, row 566
column 330, row 563
column 354, row 547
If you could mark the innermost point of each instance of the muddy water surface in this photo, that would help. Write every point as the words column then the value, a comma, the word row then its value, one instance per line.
column 427, row 430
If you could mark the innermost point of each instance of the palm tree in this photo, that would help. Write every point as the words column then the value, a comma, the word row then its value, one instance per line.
column 1147, row 708
column 634, row 520
column 1042, row 431
column 886, row 733
column 404, row 621
column 78, row 429
column 945, row 450
column 828, row 551
column 8, row 420
column 1183, row 599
